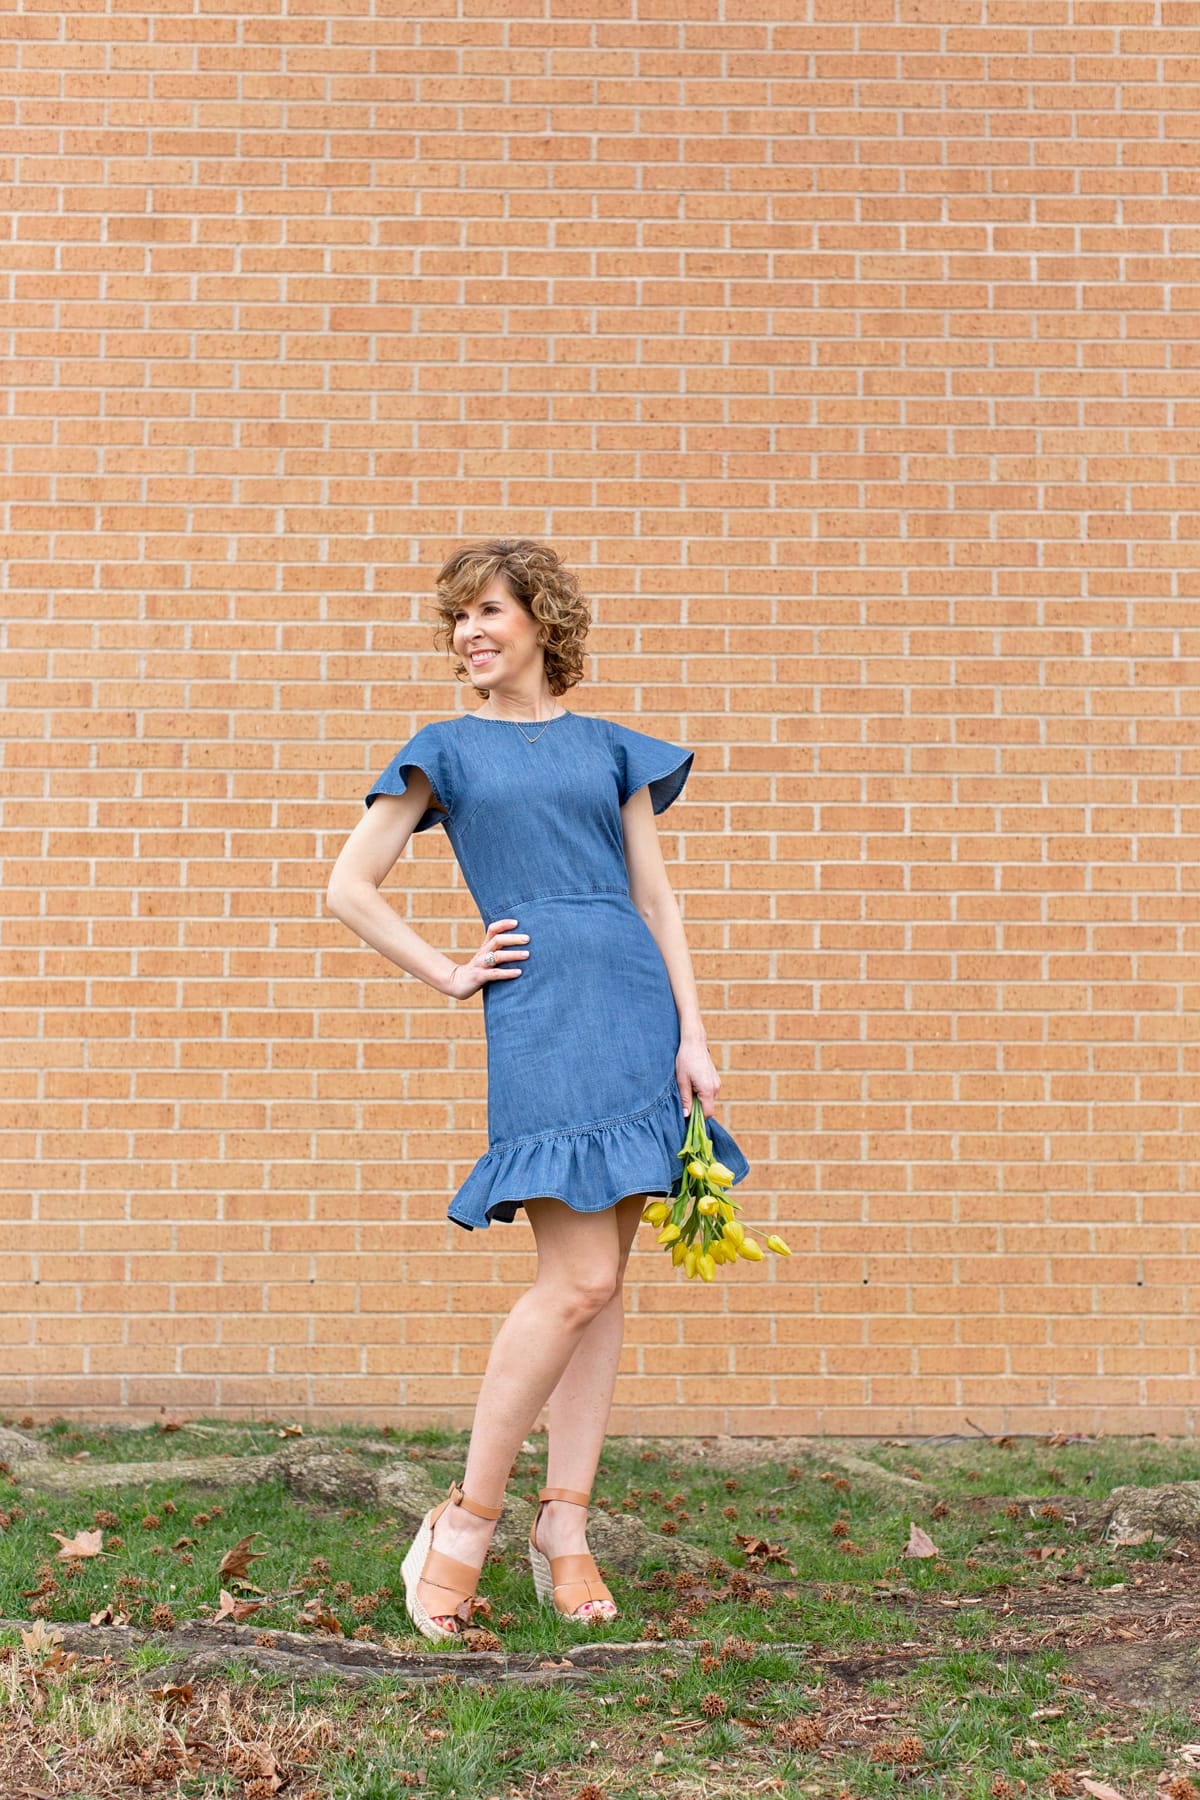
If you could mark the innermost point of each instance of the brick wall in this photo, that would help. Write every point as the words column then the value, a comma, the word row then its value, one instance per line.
column 850, row 349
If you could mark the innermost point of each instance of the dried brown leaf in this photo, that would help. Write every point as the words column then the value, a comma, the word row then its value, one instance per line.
column 39, row 1638
column 84, row 1543
column 108, row 1616
column 237, row 1610
column 175, row 1699
column 235, row 1562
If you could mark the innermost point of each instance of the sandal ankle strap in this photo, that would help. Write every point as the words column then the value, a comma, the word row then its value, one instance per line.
column 571, row 1494
column 458, row 1498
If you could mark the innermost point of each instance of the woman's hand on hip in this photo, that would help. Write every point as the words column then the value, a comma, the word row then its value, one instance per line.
column 499, row 944
column 696, row 1074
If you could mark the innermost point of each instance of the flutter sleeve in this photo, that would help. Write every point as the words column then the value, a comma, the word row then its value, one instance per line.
column 643, row 761
column 424, row 751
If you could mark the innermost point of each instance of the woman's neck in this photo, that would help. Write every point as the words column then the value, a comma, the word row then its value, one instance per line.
column 528, row 709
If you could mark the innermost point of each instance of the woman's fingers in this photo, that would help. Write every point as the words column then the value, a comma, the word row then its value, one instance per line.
column 498, row 944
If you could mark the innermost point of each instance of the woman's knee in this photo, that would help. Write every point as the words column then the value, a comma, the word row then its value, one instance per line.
column 582, row 1293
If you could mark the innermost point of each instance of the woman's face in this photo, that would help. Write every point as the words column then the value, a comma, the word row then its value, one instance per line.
column 497, row 639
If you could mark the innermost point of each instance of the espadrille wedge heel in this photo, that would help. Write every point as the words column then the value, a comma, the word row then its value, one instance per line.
column 456, row 1581
column 567, row 1583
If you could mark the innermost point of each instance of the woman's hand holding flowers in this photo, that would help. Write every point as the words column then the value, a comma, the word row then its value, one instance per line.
column 696, row 1075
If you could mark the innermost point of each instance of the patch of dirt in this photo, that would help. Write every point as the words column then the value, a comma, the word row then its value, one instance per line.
column 1160, row 1670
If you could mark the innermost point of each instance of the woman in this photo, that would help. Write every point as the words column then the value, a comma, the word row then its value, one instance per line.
column 595, row 1042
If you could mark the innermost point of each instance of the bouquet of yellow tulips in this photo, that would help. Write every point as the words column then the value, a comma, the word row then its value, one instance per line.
column 698, row 1226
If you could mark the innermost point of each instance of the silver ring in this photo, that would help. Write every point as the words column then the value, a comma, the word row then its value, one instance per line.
column 489, row 961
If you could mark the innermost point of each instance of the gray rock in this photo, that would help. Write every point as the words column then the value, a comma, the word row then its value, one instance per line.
column 16, row 1448
column 318, row 1470
column 1134, row 1515
column 622, row 1542
column 407, row 1490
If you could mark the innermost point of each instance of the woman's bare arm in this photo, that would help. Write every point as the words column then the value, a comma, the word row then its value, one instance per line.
column 650, row 891
column 353, row 896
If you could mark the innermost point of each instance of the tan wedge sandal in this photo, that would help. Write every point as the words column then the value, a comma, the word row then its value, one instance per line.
column 567, row 1583
column 456, row 1580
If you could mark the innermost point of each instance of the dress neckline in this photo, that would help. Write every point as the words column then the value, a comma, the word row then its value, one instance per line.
column 544, row 723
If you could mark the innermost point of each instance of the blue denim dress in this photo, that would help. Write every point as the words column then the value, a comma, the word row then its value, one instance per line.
column 582, row 1099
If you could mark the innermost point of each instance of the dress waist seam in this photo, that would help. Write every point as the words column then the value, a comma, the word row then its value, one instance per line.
column 593, row 893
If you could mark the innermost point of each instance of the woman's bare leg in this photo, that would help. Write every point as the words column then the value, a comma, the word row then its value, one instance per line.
column 579, row 1410
column 578, row 1273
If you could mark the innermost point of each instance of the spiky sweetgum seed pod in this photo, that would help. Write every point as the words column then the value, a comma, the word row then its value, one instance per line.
column 910, row 1750
column 803, row 1734
column 102, row 1516
column 713, row 1706
column 1002, row 1788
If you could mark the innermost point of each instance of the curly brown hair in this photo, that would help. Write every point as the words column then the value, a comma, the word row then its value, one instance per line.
column 538, row 581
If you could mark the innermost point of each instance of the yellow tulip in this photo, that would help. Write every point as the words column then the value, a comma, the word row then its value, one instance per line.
column 705, row 1268
column 720, row 1174
column 668, row 1234
column 708, row 1206
column 691, row 1258
column 656, row 1213
column 778, row 1246
column 726, row 1208
column 751, row 1250
column 678, row 1251
column 697, row 1169
column 733, row 1233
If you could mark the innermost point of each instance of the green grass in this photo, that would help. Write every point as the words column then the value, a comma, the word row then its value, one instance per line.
column 969, row 1715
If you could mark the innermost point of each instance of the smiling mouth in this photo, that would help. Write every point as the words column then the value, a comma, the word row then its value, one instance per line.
column 477, row 658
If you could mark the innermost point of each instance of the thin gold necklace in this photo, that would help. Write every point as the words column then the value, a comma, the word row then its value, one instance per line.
column 524, row 733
